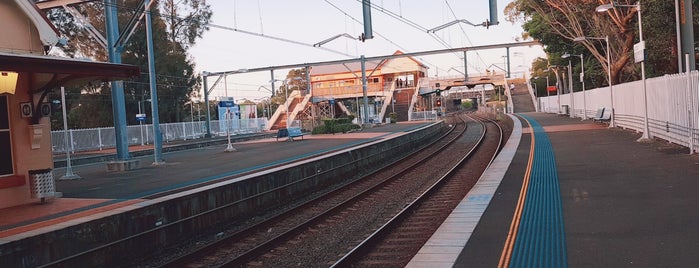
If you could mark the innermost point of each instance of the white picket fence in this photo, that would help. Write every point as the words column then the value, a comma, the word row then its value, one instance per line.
column 673, row 105
column 99, row 138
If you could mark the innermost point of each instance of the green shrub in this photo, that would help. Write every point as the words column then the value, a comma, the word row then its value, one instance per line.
column 319, row 129
column 467, row 105
column 393, row 116
column 338, row 125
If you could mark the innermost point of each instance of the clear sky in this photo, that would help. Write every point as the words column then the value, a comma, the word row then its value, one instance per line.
column 311, row 21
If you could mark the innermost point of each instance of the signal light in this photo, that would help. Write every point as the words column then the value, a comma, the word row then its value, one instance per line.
column 438, row 92
column 439, row 103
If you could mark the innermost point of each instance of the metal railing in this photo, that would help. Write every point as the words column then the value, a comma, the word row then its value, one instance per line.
column 423, row 115
column 100, row 138
column 673, row 105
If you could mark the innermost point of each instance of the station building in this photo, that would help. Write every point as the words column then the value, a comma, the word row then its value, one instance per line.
column 336, row 90
column 27, row 76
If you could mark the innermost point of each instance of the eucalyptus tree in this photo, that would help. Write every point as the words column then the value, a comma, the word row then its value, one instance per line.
column 176, row 27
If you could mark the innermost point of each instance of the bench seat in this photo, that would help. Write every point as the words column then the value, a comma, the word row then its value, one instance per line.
column 290, row 133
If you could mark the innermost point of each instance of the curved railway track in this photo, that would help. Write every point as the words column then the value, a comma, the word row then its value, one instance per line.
column 397, row 241
column 321, row 231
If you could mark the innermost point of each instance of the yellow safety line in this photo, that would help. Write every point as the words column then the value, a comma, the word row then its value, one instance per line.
column 514, row 226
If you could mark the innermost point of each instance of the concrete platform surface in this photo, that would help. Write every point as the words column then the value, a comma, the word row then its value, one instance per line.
column 99, row 190
column 625, row 203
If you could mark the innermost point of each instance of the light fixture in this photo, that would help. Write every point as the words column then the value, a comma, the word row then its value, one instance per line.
column 452, row 23
column 8, row 82
column 646, row 129
column 605, row 7
column 336, row 37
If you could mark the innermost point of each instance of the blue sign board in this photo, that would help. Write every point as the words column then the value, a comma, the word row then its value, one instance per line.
column 226, row 104
column 141, row 117
column 332, row 101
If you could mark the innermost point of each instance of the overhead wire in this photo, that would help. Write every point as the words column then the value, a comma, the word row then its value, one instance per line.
column 466, row 35
column 377, row 33
column 235, row 29
column 412, row 24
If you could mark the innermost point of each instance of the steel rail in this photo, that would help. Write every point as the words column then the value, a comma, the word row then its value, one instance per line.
column 362, row 247
column 178, row 222
column 266, row 246
column 205, row 250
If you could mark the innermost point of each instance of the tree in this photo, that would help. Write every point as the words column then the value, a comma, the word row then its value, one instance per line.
column 556, row 23
column 175, row 77
column 295, row 80
column 184, row 30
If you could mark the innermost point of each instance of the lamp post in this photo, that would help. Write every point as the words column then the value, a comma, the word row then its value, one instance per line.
column 140, row 122
column 69, row 169
column 609, row 70
column 547, row 83
column 603, row 8
column 198, row 116
column 582, row 81
column 558, row 88
column 191, row 116
column 570, row 77
column 286, row 98
column 536, row 93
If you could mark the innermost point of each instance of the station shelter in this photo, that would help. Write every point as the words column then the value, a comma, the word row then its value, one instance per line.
column 27, row 75
column 337, row 90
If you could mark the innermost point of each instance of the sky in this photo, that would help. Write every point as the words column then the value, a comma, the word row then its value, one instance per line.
column 248, row 34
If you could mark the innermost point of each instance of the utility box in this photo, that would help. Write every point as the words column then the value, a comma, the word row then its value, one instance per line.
column 42, row 184
column 564, row 109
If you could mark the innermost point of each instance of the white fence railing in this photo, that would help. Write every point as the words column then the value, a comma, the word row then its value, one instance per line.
column 99, row 138
column 423, row 115
column 673, row 105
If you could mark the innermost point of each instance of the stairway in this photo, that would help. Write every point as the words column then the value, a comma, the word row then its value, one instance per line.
column 402, row 105
column 522, row 99
column 281, row 119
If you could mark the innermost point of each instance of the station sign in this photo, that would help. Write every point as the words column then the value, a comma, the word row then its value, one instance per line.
column 639, row 51
column 141, row 117
column 226, row 104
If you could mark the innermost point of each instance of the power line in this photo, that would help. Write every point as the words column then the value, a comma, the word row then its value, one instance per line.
column 466, row 35
column 377, row 33
column 412, row 24
column 235, row 29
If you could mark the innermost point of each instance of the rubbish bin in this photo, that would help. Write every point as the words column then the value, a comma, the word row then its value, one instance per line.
column 564, row 109
column 42, row 183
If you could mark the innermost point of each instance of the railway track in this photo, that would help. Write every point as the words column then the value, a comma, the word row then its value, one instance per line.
column 397, row 241
column 319, row 232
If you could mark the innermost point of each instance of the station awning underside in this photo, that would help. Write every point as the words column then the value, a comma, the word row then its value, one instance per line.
column 48, row 72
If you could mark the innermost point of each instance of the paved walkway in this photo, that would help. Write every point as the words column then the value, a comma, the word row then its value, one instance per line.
column 624, row 203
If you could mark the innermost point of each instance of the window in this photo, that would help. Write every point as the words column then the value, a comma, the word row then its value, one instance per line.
column 6, row 165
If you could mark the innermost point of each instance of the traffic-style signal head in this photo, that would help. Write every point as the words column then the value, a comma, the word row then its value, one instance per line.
column 438, row 92
column 439, row 103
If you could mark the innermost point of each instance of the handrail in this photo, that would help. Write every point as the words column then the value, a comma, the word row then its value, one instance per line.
column 413, row 100
column 387, row 100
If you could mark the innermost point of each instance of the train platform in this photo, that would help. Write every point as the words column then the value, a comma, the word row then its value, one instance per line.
column 184, row 166
column 581, row 195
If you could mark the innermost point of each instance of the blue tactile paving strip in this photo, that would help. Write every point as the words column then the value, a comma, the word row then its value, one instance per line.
column 540, row 240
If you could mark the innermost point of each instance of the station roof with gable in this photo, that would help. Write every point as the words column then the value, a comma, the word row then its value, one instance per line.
column 355, row 66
